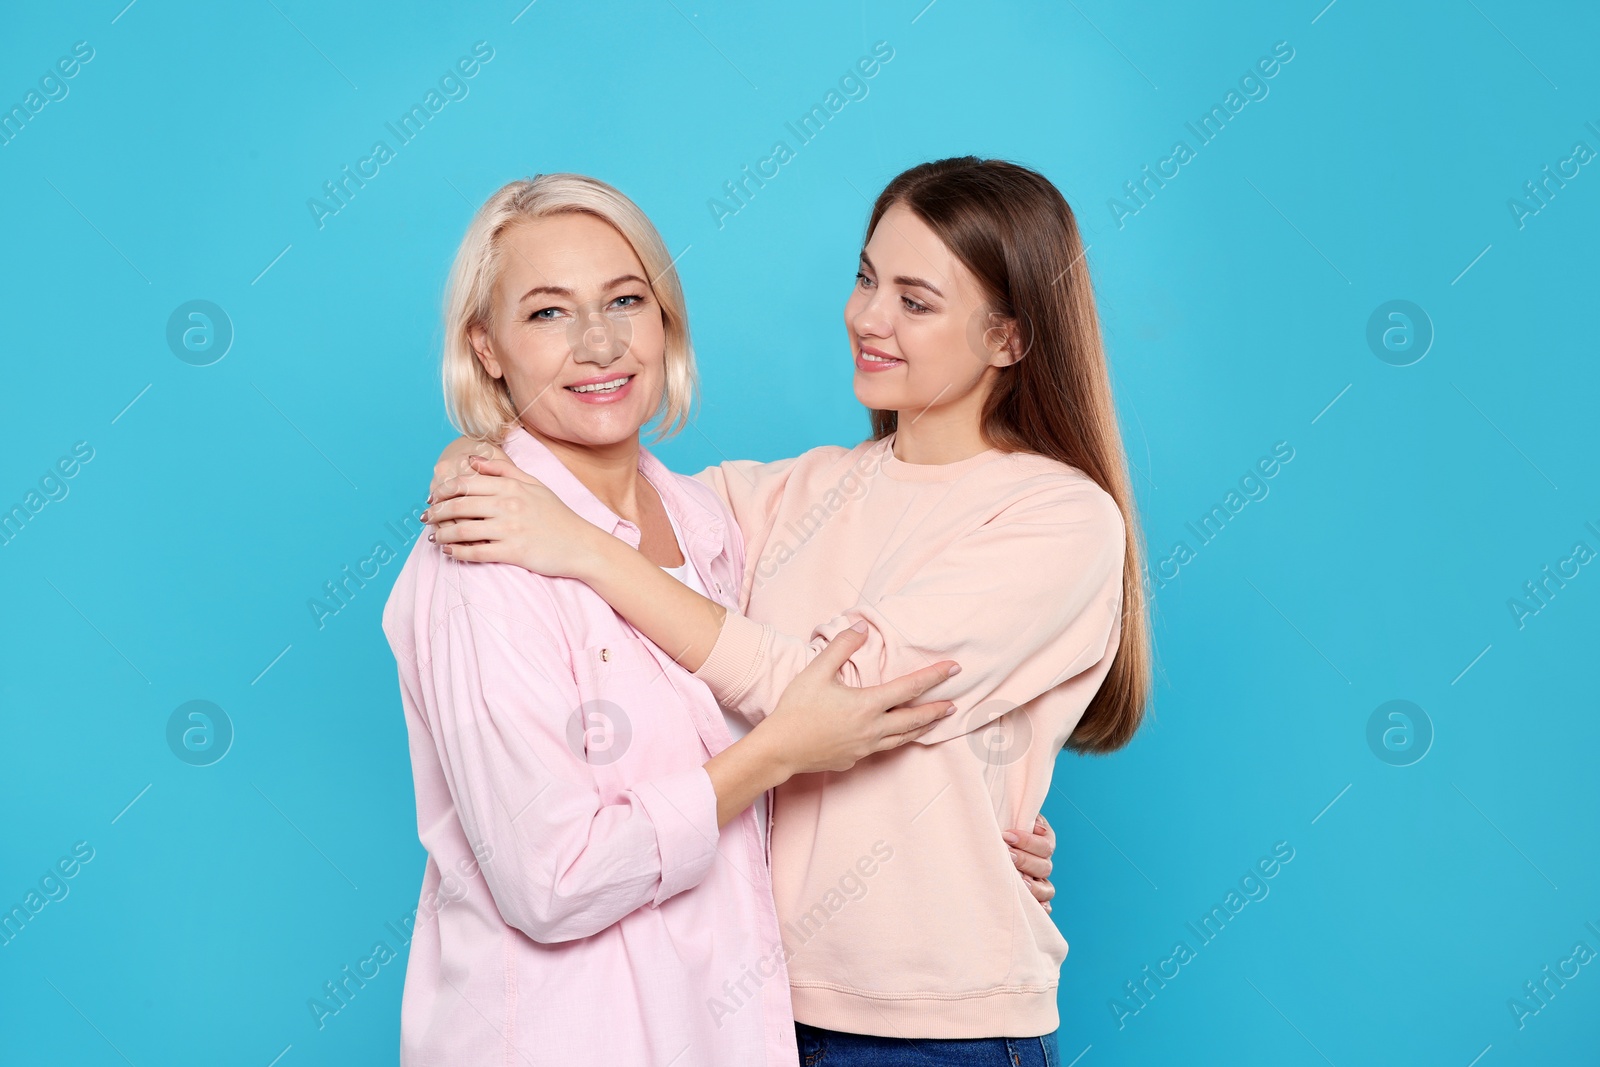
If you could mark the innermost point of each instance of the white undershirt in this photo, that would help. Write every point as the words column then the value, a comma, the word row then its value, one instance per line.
column 738, row 725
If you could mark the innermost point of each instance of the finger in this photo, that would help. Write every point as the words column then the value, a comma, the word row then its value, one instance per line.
column 897, row 740
column 459, row 507
column 1030, row 865
column 1044, row 829
column 453, row 462
column 471, row 484
column 1041, row 889
column 501, row 468
column 908, row 687
column 1032, row 843
column 907, row 724
column 480, row 552
column 468, row 530
column 838, row 650
column 900, row 740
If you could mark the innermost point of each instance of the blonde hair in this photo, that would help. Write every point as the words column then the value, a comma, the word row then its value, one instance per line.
column 478, row 404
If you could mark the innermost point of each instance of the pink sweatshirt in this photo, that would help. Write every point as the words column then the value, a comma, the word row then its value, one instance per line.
column 580, row 904
column 902, row 913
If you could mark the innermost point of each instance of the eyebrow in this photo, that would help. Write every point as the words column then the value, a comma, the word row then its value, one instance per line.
column 906, row 279
column 560, row 290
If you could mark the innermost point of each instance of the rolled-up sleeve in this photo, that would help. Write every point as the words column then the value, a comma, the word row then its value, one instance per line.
column 565, row 863
column 1024, row 602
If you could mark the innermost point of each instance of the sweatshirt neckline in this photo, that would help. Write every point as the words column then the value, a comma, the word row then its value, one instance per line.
column 900, row 470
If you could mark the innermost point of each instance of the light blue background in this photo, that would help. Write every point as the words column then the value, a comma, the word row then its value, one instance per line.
column 1235, row 305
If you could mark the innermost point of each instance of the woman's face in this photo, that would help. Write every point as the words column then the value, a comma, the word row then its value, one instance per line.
column 576, row 332
column 920, row 329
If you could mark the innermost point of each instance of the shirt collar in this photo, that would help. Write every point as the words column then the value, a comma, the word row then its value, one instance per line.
column 701, row 526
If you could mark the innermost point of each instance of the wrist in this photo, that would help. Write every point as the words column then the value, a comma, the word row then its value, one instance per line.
column 590, row 557
column 773, row 752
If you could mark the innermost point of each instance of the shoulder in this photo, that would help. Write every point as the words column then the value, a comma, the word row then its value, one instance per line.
column 432, row 587
column 821, row 457
column 746, row 482
column 697, row 494
column 1042, row 489
column 695, row 488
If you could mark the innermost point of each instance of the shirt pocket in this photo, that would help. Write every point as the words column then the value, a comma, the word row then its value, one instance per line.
column 612, row 679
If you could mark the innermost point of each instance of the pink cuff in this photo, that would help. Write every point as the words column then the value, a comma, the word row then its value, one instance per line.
column 730, row 670
column 683, row 809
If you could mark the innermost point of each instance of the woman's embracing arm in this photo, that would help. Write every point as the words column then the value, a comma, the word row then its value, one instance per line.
column 1024, row 602
column 534, row 529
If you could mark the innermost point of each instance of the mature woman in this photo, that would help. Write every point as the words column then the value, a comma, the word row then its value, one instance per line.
column 988, row 520
column 589, row 778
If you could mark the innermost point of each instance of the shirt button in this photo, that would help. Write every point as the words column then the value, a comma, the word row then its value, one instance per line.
column 605, row 655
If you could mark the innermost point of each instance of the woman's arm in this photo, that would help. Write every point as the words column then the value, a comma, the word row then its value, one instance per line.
column 821, row 724
column 1025, row 602
column 739, row 780
column 499, row 514
column 566, row 863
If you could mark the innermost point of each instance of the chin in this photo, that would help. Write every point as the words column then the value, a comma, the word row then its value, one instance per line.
column 603, row 433
column 873, row 396
column 612, row 428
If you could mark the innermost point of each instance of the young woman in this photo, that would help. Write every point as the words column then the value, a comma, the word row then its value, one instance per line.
column 989, row 520
column 590, row 779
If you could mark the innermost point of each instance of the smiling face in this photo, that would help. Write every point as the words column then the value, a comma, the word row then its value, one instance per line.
column 575, row 332
column 920, row 329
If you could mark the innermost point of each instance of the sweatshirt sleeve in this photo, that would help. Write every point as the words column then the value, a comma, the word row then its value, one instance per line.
column 565, row 863
column 751, row 491
column 1024, row 602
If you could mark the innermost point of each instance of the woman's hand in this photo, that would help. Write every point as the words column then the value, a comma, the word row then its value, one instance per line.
column 452, row 463
column 1031, row 851
column 821, row 724
column 499, row 514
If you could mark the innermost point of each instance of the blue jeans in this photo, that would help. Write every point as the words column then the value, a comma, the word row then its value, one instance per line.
column 830, row 1048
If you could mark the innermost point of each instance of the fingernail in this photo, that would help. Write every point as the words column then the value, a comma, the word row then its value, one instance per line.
column 951, row 710
column 1010, row 837
column 425, row 514
column 431, row 538
column 954, row 670
column 1016, row 857
column 860, row 626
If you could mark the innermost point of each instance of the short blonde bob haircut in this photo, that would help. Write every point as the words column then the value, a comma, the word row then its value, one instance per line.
column 478, row 404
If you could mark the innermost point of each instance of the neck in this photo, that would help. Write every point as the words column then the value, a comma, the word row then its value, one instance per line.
column 943, row 433
column 610, row 472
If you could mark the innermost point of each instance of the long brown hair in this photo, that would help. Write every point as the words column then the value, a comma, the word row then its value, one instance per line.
column 1015, row 232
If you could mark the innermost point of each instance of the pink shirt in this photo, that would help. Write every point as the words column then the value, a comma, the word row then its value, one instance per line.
column 613, row 921
column 901, row 910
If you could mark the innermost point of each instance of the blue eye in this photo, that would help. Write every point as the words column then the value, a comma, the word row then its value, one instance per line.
column 862, row 278
column 544, row 314
column 912, row 305
column 635, row 301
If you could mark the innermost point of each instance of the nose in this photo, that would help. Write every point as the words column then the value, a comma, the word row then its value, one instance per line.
column 868, row 318
column 596, row 339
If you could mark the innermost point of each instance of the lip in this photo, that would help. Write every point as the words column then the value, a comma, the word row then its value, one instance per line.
column 864, row 364
column 601, row 398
